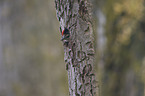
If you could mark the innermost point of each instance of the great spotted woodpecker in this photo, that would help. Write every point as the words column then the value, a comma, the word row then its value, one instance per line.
column 66, row 33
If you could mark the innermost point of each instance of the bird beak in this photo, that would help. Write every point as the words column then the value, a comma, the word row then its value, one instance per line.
column 62, row 38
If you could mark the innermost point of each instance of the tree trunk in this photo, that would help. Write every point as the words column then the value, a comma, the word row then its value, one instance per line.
column 79, row 51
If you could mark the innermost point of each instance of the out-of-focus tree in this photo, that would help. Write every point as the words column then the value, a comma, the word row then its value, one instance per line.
column 121, row 44
column 31, row 60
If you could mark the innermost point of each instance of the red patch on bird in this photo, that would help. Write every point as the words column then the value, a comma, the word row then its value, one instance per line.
column 62, row 33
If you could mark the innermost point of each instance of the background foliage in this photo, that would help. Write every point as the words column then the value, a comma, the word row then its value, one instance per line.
column 123, row 54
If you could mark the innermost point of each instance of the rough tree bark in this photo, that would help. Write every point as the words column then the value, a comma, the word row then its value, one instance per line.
column 79, row 52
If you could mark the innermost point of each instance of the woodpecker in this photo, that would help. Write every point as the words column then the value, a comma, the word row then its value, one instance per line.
column 65, row 34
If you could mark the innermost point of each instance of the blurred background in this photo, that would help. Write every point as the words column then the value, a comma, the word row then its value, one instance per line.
column 121, row 47
column 31, row 53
